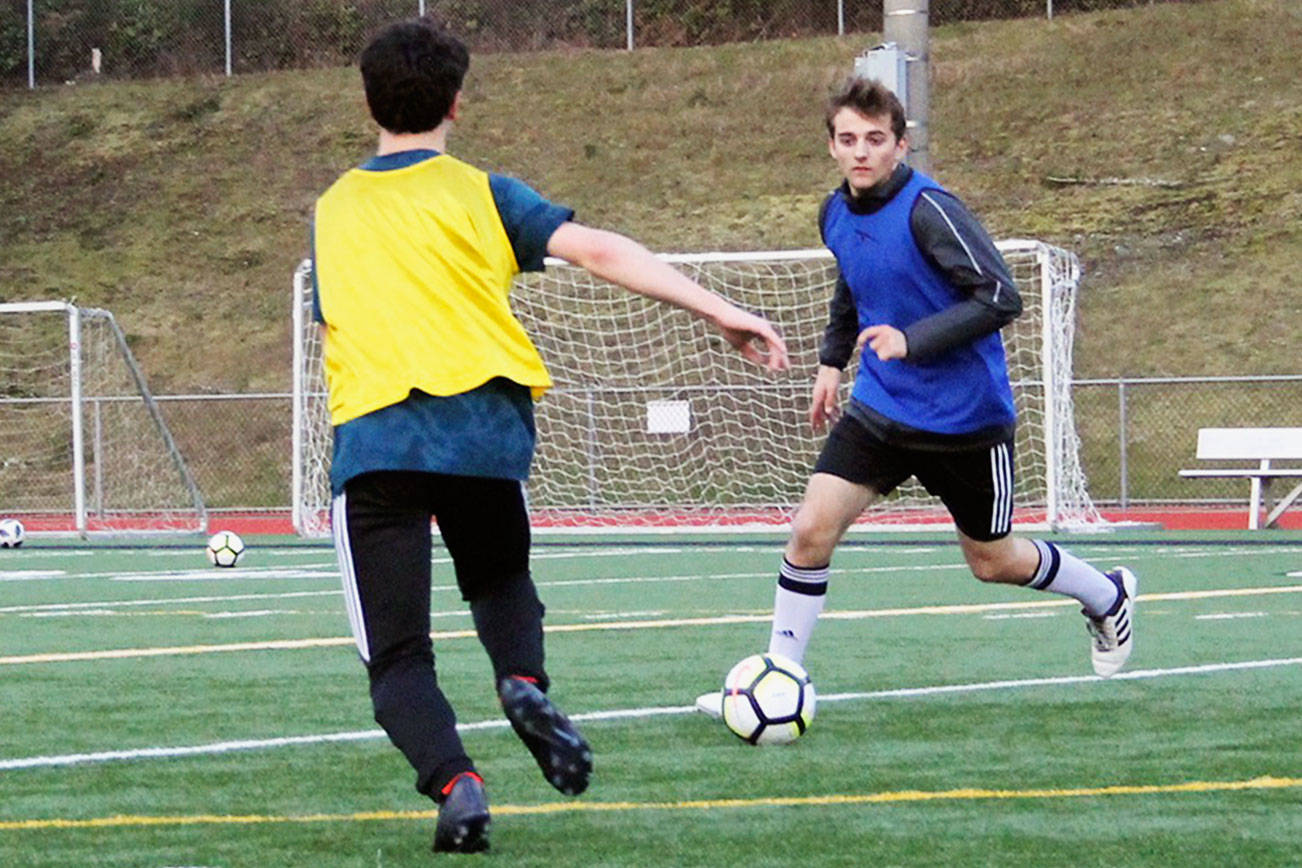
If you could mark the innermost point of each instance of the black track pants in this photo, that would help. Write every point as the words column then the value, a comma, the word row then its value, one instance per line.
column 382, row 537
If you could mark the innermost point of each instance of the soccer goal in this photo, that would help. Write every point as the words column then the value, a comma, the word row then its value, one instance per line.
column 83, row 446
column 656, row 422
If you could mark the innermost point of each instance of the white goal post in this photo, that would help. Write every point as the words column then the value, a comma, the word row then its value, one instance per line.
column 655, row 422
column 83, row 446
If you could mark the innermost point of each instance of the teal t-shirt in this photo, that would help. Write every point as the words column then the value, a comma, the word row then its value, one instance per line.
column 488, row 431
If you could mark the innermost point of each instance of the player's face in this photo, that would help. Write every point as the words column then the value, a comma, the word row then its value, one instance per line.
column 864, row 148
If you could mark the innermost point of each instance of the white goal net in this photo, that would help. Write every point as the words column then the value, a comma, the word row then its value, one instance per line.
column 655, row 421
column 83, row 446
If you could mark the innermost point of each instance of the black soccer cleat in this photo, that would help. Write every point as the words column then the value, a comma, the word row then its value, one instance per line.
column 463, row 816
column 560, row 750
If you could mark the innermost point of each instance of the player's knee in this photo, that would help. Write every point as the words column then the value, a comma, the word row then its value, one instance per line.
column 1003, row 560
column 993, row 569
column 996, row 571
column 812, row 539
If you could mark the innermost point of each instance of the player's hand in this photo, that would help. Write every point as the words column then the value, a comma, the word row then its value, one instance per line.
column 886, row 341
column 825, row 407
column 754, row 338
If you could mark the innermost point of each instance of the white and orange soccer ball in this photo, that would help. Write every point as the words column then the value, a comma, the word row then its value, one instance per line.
column 768, row 699
column 224, row 549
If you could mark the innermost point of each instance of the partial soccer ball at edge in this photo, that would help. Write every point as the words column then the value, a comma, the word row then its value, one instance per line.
column 768, row 699
column 12, row 533
column 224, row 548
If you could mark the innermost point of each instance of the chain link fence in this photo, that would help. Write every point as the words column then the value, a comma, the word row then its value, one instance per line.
column 56, row 41
column 237, row 446
column 1136, row 435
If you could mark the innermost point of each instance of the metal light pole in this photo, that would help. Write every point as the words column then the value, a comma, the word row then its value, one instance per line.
column 31, row 46
column 228, row 38
column 905, row 22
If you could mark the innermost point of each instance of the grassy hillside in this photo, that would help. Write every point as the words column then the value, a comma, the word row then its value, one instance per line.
column 1172, row 131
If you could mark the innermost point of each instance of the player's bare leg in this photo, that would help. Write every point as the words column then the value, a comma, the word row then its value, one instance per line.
column 830, row 506
column 1107, row 599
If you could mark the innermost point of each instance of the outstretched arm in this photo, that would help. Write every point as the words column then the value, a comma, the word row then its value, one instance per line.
column 619, row 259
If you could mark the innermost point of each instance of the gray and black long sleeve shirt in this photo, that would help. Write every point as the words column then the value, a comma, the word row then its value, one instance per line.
column 962, row 254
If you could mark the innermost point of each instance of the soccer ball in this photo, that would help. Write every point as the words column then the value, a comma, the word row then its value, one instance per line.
column 224, row 548
column 12, row 533
column 768, row 699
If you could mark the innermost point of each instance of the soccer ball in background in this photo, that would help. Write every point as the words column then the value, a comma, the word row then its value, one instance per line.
column 768, row 699
column 12, row 533
column 224, row 548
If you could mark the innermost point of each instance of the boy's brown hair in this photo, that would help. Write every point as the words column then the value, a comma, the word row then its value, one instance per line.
column 870, row 98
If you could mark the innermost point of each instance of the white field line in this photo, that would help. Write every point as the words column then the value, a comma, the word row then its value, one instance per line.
column 163, row 601
column 312, row 568
column 325, row 569
column 1164, row 552
column 1169, row 552
column 559, row 583
column 31, row 575
column 653, row 624
column 1282, row 550
column 626, row 713
column 195, row 574
column 1138, row 674
column 170, row 601
column 329, row 570
column 226, row 574
column 248, row 613
column 30, row 554
column 1097, row 552
column 1020, row 615
column 194, row 613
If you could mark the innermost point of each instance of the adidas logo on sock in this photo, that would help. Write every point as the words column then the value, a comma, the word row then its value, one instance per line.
column 785, row 634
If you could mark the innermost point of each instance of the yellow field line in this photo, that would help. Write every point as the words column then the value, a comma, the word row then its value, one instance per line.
column 844, row 614
column 1258, row 783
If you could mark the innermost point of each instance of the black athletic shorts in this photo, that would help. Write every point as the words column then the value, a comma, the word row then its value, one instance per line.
column 975, row 484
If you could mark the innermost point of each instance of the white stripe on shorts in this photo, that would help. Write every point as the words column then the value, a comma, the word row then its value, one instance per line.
column 344, row 551
column 1001, row 474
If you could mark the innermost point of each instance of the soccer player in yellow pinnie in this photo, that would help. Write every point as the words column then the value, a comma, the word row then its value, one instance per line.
column 432, row 382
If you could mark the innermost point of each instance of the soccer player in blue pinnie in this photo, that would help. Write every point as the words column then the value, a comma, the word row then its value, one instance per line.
column 431, row 388
column 922, row 295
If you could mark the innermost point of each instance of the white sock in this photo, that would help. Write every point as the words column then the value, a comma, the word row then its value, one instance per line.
column 1061, row 572
column 796, row 607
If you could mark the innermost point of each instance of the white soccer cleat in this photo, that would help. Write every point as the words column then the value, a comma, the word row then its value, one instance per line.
column 711, row 703
column 1113, row 634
